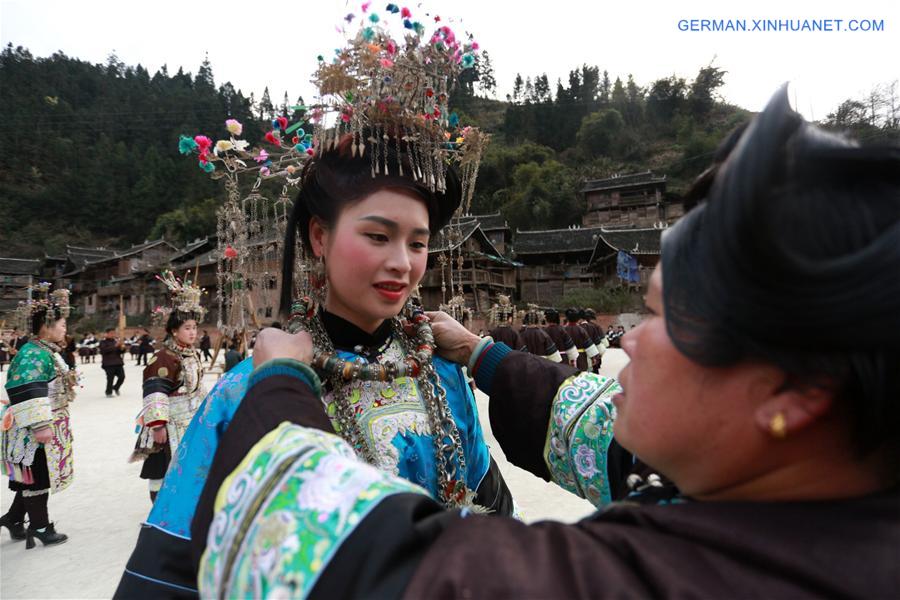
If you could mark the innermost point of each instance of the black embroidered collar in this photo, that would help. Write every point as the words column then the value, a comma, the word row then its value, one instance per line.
column 350, row 338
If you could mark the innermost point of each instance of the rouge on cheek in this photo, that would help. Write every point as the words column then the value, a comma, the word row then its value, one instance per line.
column 358, row 252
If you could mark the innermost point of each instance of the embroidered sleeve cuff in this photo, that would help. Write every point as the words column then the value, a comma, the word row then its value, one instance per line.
column 289, row 367
column 313, row 488
column 156, row 409
column 32, row 413
column 579, row 435
column 486, row 365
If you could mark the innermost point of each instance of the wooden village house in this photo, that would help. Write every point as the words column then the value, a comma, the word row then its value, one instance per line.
column 633, row 200
column 463, row 254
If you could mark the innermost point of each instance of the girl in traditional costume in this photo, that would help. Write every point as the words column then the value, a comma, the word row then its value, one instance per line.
column 173, row 383
column 35, row 438
column 374, row 192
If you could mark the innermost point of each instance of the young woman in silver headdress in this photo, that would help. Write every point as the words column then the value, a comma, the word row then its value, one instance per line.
column 173, row 385
column 373, row 192
column 35, row 437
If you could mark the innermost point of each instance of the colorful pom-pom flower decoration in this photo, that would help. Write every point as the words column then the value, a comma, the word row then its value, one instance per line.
column 234, row 126
column 186, row 145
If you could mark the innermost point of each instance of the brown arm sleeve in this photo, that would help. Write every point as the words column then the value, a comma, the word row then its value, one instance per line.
column 521, row 394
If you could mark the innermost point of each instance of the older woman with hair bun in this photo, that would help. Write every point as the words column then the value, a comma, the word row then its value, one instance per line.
column 778, row 427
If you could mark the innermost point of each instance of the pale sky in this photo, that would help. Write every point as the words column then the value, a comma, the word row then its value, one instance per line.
column 259, row 44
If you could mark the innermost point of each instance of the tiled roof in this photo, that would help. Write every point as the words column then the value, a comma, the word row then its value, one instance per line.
column 491, row 222
column 632, row 241
column 442, row 243
column 578, row 239
column 184, row 260
column 207, row 258
column 130, row 251
column 80, row 255
column 647, row 177
column 19, row 266
column 468, row 229
column 192, row 247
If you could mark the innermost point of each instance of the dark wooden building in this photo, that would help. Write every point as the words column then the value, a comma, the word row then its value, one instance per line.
column 16, row 275
column 496, row 229
column 484, row 272
column 634, row 200
column 98, row 283
column 641, row 243
column 555, row 262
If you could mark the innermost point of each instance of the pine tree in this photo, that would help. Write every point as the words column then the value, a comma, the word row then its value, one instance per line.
column 517, row 88
column 605, row 88
column 487, row 83
column 204, row 79
column 575, row 86
column 619, row 98
column 114, row 66
column 266, row 109
column 590, row 81
column 542, row 88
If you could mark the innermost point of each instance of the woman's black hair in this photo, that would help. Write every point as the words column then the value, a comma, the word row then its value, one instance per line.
column 40, row 318
column 335, row 178
column 792, row 258
column 177, row 319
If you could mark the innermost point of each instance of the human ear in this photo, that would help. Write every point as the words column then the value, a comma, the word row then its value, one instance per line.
column 318, row 236
column 790, row 411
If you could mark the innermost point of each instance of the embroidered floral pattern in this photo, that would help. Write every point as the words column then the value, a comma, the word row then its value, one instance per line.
column 283, row 514
column 385, row 410
column 59, row 452
column 32, row 412
column 579, row 436
column 385, row 425
column 156, row 408
column 585, row 462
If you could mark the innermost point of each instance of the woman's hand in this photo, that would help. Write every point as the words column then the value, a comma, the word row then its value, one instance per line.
column 160, row 434
column 454, row 342
column 43, row 435
column 275, row 343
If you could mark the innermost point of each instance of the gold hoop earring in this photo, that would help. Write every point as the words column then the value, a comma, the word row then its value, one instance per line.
column 778, row 426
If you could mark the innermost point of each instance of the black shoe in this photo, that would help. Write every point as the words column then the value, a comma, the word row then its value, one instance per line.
column 16, row 530
column 109, row 394
column 48, row 536
column 118, row 393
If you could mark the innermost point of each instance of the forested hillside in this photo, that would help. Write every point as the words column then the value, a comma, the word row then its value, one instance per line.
column 89, row 152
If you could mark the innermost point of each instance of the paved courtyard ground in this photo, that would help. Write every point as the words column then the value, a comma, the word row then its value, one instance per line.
column 103, row 508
